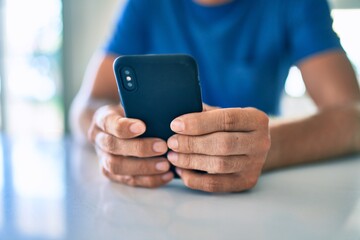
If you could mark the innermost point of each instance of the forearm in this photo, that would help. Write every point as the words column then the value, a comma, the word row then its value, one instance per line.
column 81, row 115
column 98, row 89
column 329, row 133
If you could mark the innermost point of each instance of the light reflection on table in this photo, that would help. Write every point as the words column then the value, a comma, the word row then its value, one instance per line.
column 39, row 189
column 35, row 194
column 1, row 186
column 54, row 190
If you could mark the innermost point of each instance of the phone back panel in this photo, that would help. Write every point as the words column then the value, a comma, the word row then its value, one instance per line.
column 166, row 86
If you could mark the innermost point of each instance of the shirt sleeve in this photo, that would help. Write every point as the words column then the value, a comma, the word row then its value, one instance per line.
column 310, row 28
column 129, row 32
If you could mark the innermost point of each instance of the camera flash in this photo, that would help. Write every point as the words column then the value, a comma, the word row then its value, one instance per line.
column 128, row 78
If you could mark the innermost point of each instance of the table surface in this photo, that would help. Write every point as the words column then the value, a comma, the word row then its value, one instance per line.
column 54, row 190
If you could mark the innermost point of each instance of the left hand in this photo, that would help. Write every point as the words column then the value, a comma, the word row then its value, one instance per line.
column 230, row 144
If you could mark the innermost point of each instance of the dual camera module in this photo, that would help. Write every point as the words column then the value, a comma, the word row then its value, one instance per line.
column 128, row 79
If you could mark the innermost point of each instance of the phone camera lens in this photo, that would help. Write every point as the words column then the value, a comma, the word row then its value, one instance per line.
column 128, row 78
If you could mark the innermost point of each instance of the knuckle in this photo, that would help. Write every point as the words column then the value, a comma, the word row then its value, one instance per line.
column 91, row 133
column 253, row 110
column 109, row 143
column 102, row 122
column 131, row 181
column 189, row 182
column 137, row 148
column 189, row 143
column 229, row 119
column 261, row 117
column 185, row 160
column 103, row 117
column 152, row 182
column 98, row 114
column 251, row 183
column 120, row 125
column 140, row 148
column 114, row 165
column 264, row 119
column 239, row 163
column 226, row 144
column 204, row 184
column 228, row 164
column 211, row 185
column 142, row 168
column 219, row 165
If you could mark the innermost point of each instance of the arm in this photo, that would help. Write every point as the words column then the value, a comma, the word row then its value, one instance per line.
column 334, row 130
column 98, row 89
column 232, row 145
column 331, row 82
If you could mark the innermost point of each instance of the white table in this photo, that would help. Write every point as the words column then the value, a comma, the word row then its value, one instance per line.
column 54, row 190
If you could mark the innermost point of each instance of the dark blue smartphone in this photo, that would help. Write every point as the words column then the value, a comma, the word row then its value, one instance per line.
column 158, row 88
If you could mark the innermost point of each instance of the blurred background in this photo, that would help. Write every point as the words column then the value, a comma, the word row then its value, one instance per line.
column 45, row 46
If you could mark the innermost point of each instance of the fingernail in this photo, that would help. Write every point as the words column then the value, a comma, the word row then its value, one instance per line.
column 173, row 143
column 137, row 128
column 160, row 147
column 166, row 177
column 177, row 125
column 162, row 166
column 173, row 156
column 178, row 171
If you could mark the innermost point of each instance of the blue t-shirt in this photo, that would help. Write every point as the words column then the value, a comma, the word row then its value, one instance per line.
column 244, row 48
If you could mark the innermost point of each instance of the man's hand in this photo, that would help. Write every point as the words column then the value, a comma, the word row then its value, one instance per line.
column 124, row 158
column 229, row 144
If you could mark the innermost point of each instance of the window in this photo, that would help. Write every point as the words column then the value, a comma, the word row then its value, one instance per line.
column 345, row 24
column 296, row 102
column 32, row 43
column 344, row 20
column 30, row 72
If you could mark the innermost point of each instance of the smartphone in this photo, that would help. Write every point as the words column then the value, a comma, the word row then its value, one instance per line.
column 158, row 88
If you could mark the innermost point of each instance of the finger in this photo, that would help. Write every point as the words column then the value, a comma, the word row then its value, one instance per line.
column 137, row 147
column 120, row 165
column 92, row 132
column 152, row 181
column 220, row 120
column 112, row 121
column 210, row 164
column 216, row 182
column 220, row 143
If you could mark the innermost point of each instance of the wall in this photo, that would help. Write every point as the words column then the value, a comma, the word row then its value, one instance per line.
column 86, row 25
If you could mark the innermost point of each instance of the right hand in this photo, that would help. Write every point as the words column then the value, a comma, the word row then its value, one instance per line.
column 125, row 158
